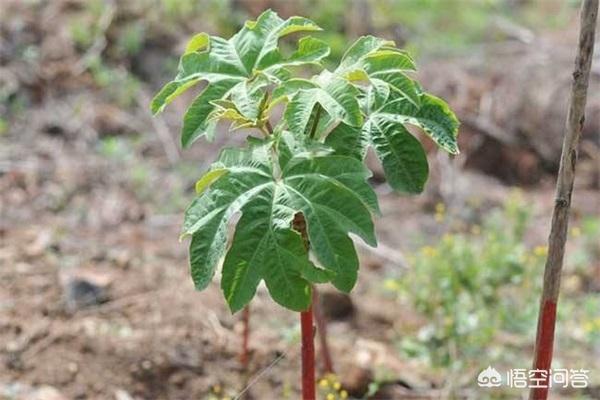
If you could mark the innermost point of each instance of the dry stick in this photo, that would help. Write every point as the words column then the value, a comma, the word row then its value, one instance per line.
column 258, row 376
column 307, row 328
column 321, row 323
column 564, row 188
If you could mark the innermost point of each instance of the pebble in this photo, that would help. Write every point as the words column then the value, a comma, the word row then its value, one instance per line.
column 80, row 293
column 47, row 393
column 336, row 306
column 356, row 381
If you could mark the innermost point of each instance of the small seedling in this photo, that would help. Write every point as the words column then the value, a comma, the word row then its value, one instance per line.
column 300, row 185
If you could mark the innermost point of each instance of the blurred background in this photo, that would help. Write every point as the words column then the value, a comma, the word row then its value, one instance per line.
column 95, row 297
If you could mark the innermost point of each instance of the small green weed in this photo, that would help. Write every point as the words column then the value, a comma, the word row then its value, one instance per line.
column 478, row 291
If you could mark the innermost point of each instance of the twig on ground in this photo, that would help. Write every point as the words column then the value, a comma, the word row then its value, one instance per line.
column 99, row 44
column 119, row 303
column 489, row 128
column 162, row 130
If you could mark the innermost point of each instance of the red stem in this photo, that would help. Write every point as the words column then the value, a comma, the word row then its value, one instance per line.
column 244, row 355
column 322, row 331
column 307, row 328
column 308, row 355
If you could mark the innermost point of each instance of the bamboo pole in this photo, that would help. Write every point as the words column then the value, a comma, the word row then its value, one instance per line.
column 564, row 187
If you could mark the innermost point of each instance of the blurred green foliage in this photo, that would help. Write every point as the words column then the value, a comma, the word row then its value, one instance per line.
column 3, row 126
column 118, row 35
column 142, row 175
column 84, row 26
column 446, row 27
column 425, row 27
column 131, row 40
column 120, row 86
column 471, row 285
column 478, row 292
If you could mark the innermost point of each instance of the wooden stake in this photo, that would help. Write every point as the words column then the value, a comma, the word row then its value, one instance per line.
column 564, row 187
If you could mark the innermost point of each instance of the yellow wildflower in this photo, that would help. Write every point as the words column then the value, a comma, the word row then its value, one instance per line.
column 440, row 212
column 391, row 284
column 428, row 251
column 540, row 251
column 591, row 325
column 588, row 326
column 440, row 208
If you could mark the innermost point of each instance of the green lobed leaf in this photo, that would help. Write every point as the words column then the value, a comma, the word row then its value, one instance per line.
column 377, row 94
column 196, row 121
column 256, row 43
column 206, row 249
column 216, row 63
column 248, row 97
column 372, row 58
column 361, row 48
column 263, row 248
column 219, row 61
column 197, row 43
column 231, row 67
column 401, row 84
column 289, row 88
column 169, row 92
column 402, row 156
column 386, row 61
column 433, row 116
column 209, row 178
column 348, row 141
column 309, row 50
column 293, row 172
column 291, row 146
column 332, row 193
column 337, row 97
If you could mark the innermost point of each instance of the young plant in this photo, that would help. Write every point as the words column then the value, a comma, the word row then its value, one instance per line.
column 301, row 184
